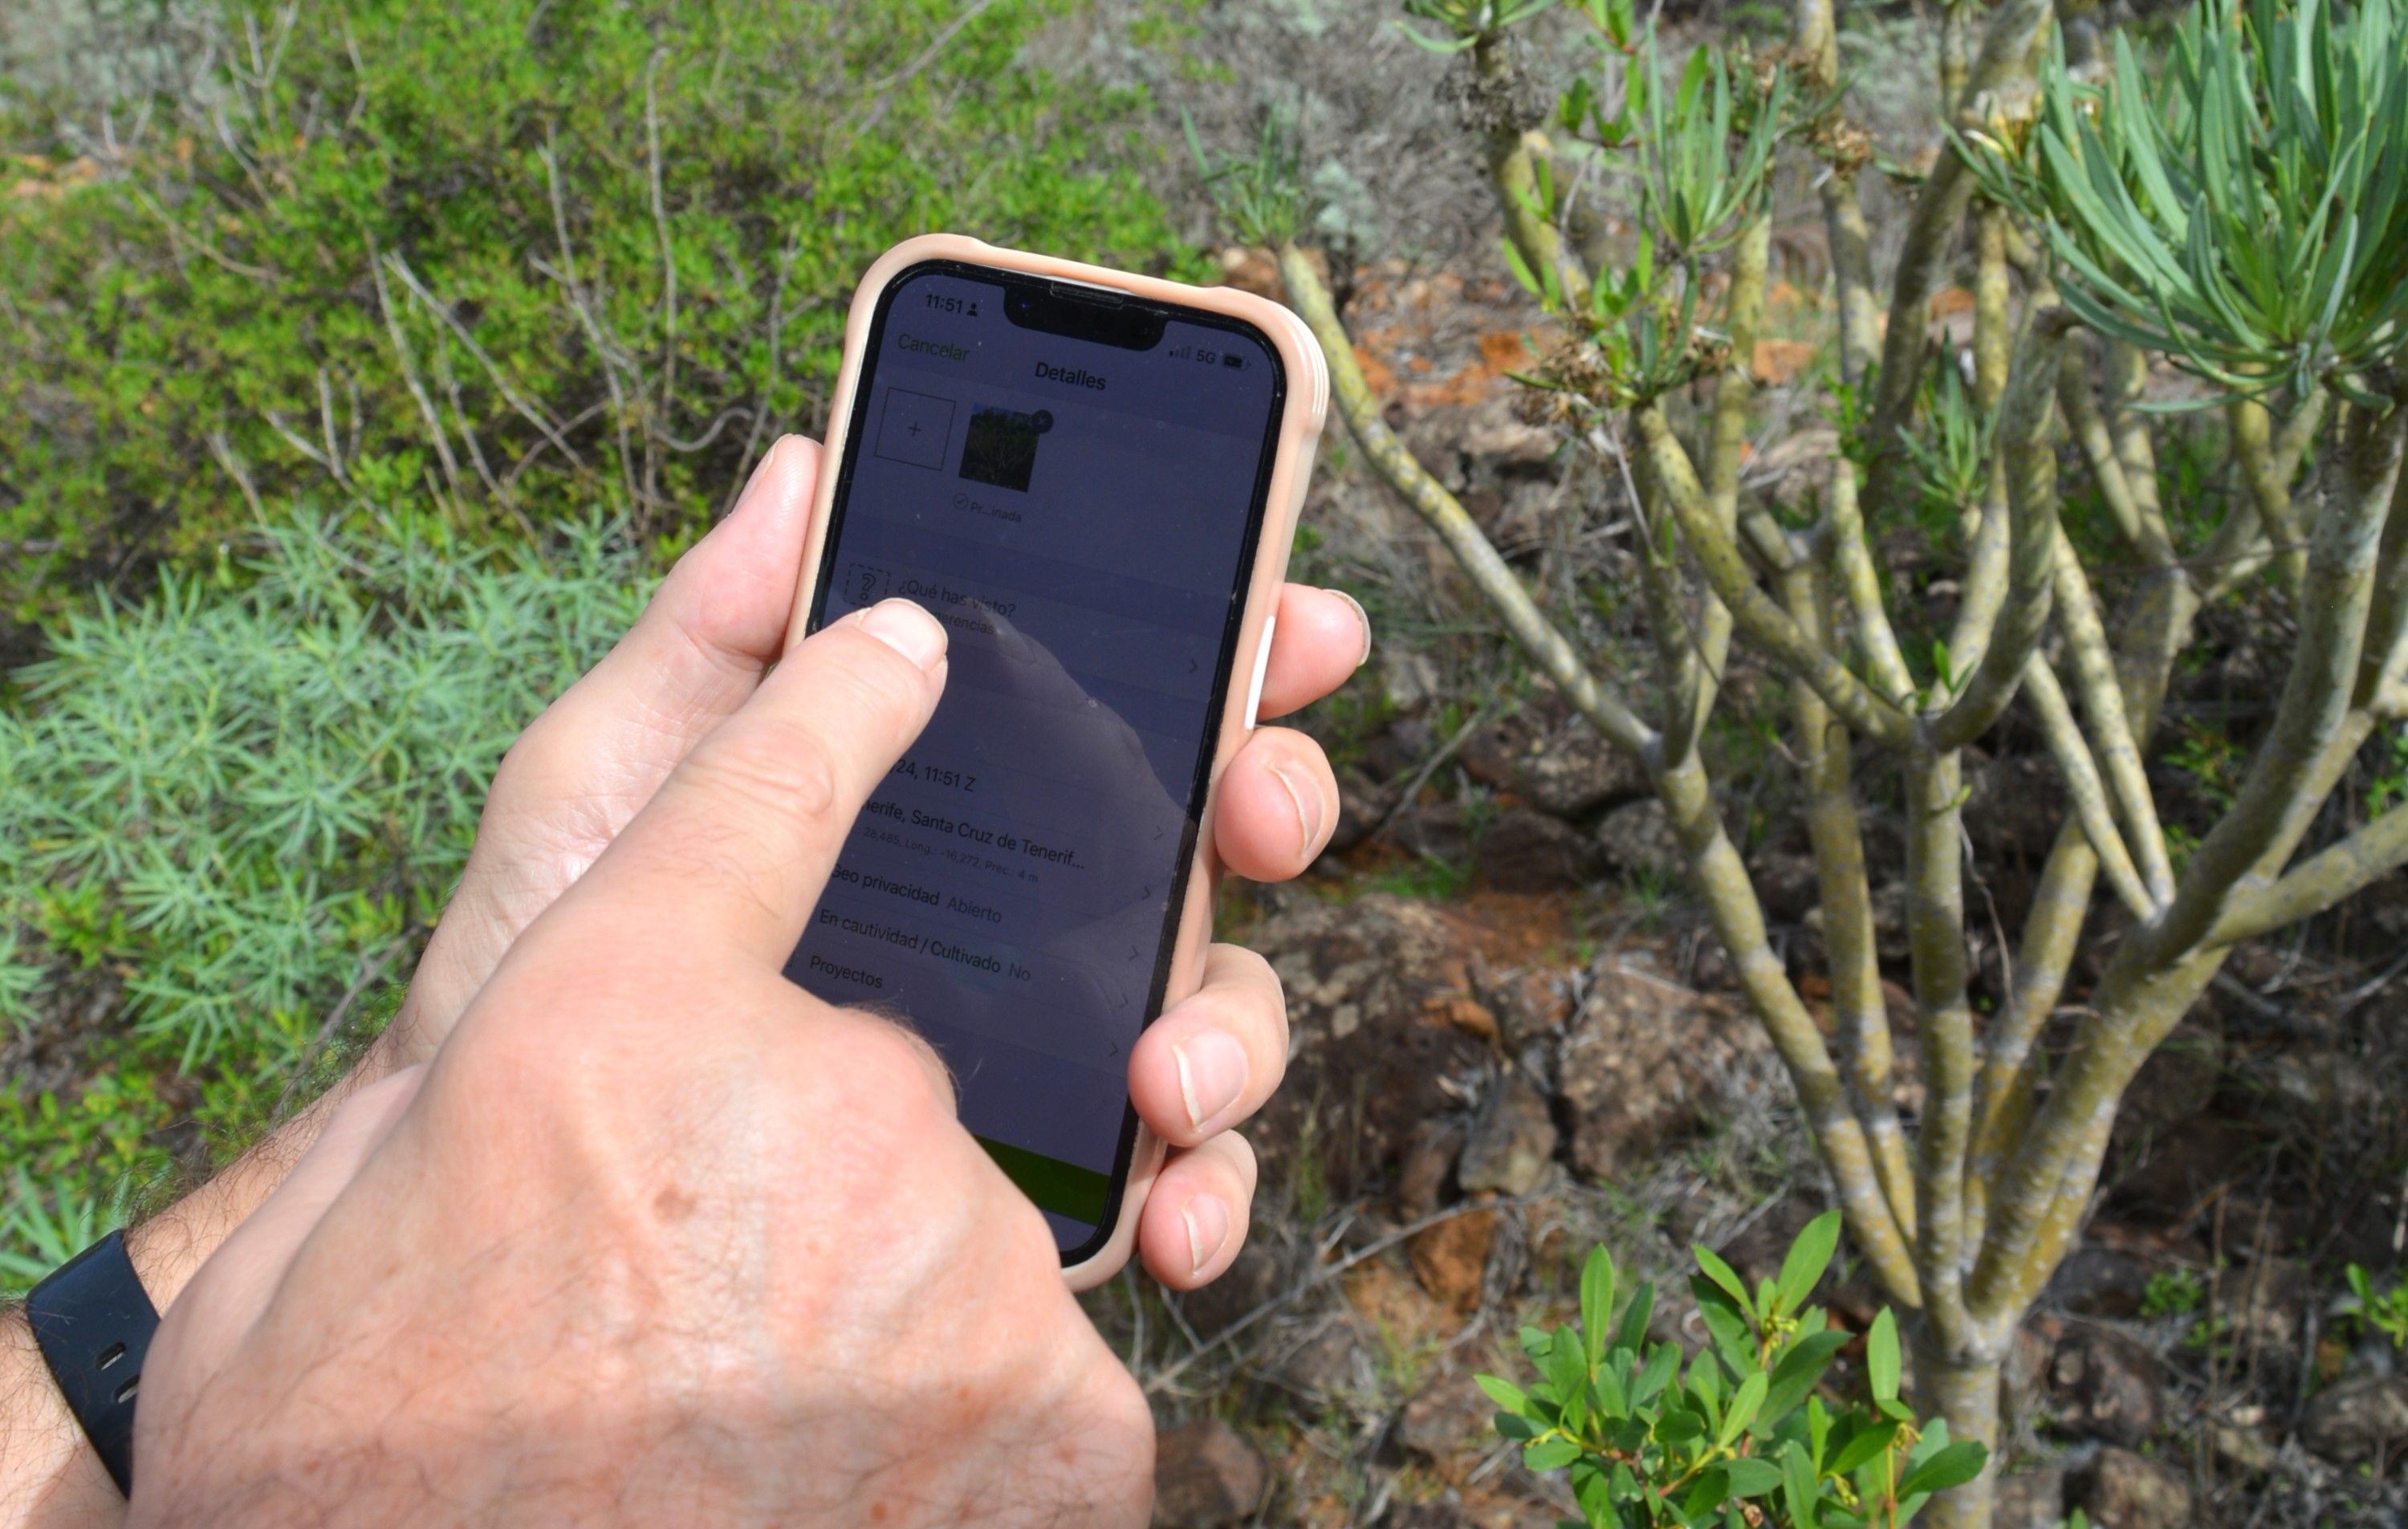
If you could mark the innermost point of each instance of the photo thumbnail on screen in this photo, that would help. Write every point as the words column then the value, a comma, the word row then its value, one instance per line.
column 1001, row 448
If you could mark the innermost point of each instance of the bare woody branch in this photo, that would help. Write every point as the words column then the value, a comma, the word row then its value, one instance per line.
column 2080, row 773
column 2006, row 53
column 1454, row 526
column 1837, row 837
column 2319, row 882
column 2032, row 514
column 1765, row 622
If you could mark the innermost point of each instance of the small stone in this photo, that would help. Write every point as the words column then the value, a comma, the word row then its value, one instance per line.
column 1366, row 1065
column 2098, row 1283
column 1889, row 922
column 1451, row 1258
column 1573, row 772
column 1250, row 269
column 1410, row 677
column 1463, row 1012
column 1530, row 1003
column 1496, row 747
column 1524, row 850
column 1513, row 1140
column 1251, row 1279
column 1899, row 1004
column 2345, row 1423
column 1713, row 971
column 2183, row 1168
column 2106, row 1386
column 1447, row 1418
column 1205, row 1476
column 1361, row 805
column 1636, row 839
column 2263, row 1300
column 2174, row 1084
column 1333, row 1360
column 1433, row 830
column 2245, row 1449
column 1785, row 884
column 2023, row 1376
column 2120, row 1490
column 1428, row 1163
column 1642, row 1062
column 2032, row 1499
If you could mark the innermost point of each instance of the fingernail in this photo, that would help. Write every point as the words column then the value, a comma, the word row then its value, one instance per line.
column 1306, row 793
column 906, row 628
column 1363, row 618
column 1211, row 1075
column 1208, row 1229
column 761, row 470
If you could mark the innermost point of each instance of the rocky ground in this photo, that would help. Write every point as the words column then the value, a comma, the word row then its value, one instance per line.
column 1513, row 1039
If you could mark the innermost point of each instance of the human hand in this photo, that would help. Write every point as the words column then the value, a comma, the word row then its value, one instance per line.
column 596, row 757
column 658, row 1237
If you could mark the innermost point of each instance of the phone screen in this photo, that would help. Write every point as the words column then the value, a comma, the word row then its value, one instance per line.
column 1073, row 481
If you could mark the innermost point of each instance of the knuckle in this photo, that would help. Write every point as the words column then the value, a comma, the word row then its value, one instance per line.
column 891, row 1074
column 785, row 768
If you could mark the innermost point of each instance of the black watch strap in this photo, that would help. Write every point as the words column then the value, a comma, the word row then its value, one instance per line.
column 94, row 1322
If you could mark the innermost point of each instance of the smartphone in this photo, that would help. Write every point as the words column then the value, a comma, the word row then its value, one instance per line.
column 1091, row 479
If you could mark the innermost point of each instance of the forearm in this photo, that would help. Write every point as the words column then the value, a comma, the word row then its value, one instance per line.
column 50, row 1477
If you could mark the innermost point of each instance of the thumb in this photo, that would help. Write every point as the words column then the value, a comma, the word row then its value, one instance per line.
column 735, row 848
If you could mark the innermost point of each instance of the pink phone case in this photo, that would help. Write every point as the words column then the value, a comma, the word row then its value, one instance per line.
column 1306, row 405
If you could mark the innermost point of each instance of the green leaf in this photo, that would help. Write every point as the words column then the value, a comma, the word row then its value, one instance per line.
column 1505, row 1394
column 1809, row 1256
column 1862, row 1447
column 1724, row 1278
column 1881, row 1356
column 1799, row 1368
column 1712, row 1486
column 1447, row 47
column 1593, row 1489
column 1612, row 1387
column 1753, row 1478
column 1521, row 268
column 1732, row 1339
column 1661, row 1366
column 1549, row 1454
column 1952, row 1466
column 1799, row 1487
column 1678, row 1425
column 1597, row 1302
column 1744, row 1404
column 1635, row 1318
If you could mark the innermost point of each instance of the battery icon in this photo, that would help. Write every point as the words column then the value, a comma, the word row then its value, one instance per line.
column 1232, row 359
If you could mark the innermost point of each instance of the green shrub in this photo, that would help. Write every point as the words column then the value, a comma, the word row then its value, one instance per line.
column 1738, row 1435
column 509, row 256
column 227, row 809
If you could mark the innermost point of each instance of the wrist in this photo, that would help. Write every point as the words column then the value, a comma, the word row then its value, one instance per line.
column 167, row 1250
column 50, row 1477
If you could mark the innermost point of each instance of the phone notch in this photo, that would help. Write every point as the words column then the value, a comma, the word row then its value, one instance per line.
column 1077, row 310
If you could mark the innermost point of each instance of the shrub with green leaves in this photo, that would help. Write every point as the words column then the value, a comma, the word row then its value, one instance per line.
column 507, row 257
column 229, row 812
column 2384, row 1312
column 2245, row 209
column 1739, row 1434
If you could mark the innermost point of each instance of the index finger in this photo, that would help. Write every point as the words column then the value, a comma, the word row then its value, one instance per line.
column 735, row 848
